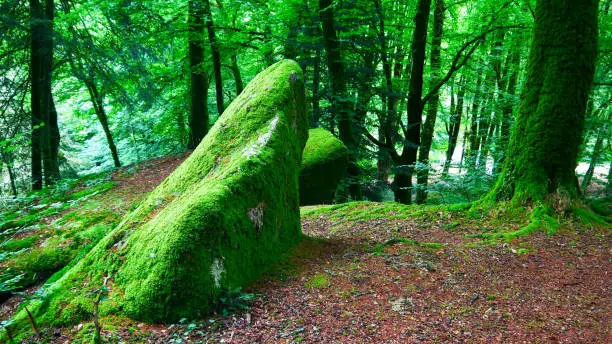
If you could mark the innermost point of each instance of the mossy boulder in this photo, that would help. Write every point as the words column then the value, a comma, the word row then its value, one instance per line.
column 323, row 166
column 216, row 223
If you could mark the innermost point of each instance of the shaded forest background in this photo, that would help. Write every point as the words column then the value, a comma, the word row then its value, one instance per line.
column 423, row 93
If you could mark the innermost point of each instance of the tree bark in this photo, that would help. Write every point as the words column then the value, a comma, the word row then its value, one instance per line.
column 198, row 121
column 454, row 126
column 432, row 106
column 236, row 73
column 214, row 47
column 595, row 155
column 507, row 107
column 36, row 92
column 543, row 148
column 341, row 103
column 98, row 103
column 404, row 166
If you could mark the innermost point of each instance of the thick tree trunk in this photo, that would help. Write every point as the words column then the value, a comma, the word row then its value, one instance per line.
column 341, row 103
column 50, row 131
column 432, row 109
column 214, row 48
column 543, row 149
column 404, row 167
column 198, row 121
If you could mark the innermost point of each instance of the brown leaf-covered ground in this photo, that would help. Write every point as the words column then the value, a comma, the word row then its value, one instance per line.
column 347, row 283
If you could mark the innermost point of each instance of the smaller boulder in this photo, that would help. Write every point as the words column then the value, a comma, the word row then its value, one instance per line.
column 324, row 163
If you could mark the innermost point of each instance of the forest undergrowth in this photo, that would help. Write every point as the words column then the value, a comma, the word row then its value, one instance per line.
column 366, row 272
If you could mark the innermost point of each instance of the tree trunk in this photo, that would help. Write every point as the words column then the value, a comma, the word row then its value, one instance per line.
column 454, row 126
column 214, row 47
column 316, row 96
column 597, row 150
column 98, row 105
column 404, row 167
column 507, row 107
column 432, row 109
column 341, row 103
column 236, row 73
column 609, row 183
column 8, row 162
column 36, row 93
column 198, row 121
column 50, row 131
column 543, row 148
column 472, row 135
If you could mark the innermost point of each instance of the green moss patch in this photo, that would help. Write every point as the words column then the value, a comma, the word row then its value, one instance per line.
column 216, row 223
column 323, row 166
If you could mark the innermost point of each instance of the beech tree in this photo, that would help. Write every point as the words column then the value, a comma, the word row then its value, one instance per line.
column 543, row 148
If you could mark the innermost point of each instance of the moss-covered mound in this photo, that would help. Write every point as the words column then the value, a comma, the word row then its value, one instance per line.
column 223, row 216
column 323, row 165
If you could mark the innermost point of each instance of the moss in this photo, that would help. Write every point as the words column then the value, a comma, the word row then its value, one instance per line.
column 17, row 244
column 216, row 223
column 324, row 163
column 539, row 218
column 318, row 281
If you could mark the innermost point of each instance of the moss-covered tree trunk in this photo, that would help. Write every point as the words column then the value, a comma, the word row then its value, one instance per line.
column 543, row 148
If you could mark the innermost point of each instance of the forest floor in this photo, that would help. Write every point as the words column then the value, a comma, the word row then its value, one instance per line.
column 388, row 273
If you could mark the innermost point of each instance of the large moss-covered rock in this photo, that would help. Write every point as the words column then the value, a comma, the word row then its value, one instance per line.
column 323, row 166
column 223, row 216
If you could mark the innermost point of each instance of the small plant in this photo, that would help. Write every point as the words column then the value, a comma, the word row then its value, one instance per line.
column 318, row 281
column 233, row 300
column 99, row 295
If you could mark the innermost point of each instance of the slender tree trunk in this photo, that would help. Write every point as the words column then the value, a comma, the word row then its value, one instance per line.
column 507, row 107
column 404, row 166
column 595, row 155
column 609, row 183
column 454, row 126
column 214, row 47
column 236, row 73
column 463, row 148
column 98, row 105
column 543, row 149
column 340, row 101
column 36, row 92
column 8, row 162
column 316, row 96
column 472, row 150
column 432, row 109
column 198, row 121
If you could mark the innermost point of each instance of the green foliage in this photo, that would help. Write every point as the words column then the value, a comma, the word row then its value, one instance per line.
column 232, row 300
